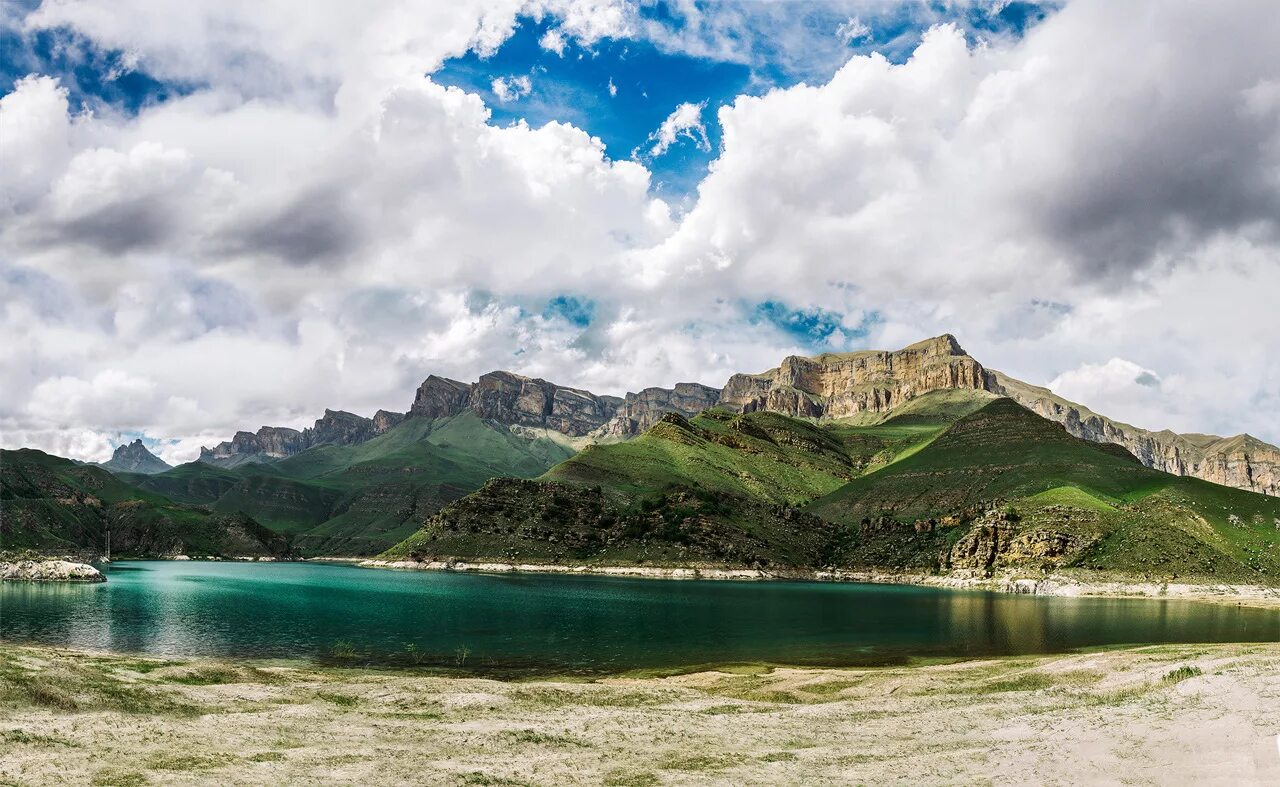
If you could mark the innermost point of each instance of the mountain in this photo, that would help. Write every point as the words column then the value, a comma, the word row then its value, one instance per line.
column 135, row 458
column 512, row 399
column 852, row 385
column 337, row 427
column 55, row 505
column 1004, row 487
column 870, row 383
column 951, row 480
column 355, row 499
column 1243, row 461
column 722, row 487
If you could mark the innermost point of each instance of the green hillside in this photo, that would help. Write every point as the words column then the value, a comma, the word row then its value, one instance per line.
column 720, row 487
column 361, row 499
column 1006, row 488
column 952, row 481
column 53, row 505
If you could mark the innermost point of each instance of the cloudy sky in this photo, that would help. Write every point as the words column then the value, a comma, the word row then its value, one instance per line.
column 219, row 214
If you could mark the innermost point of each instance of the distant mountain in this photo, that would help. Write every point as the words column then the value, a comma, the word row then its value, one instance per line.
column 54, row 505
column 952, row 480
column 512, row 399
column 135, row 458
column 337, row 427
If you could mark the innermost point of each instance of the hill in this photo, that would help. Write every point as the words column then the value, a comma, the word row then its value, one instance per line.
column 954, row 480
column 359, row 499
column 135, row 458
column 1003, row 487
column 53, row 505
column 722, row 486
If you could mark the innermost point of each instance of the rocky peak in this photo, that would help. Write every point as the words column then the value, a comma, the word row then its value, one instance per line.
column 385, row 421
column 839, row 385
column 639, row 411
column 135, row 458
column 511, row 398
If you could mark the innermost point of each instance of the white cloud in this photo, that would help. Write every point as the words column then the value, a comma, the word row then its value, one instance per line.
column 553, row 41
column 613, row 89
column 320, row 225
column 511, row 88
column 684, row 122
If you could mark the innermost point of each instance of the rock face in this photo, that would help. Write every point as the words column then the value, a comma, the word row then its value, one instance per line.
column 1243, row 461
column 135, row 458
column 49, row 571
column 514, row 399
column 839, row 385
column 337, row 427
column 639, row 411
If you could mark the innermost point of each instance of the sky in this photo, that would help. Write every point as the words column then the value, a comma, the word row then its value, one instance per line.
column 222, row 214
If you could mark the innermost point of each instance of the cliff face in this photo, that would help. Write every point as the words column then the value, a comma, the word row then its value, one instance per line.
column 1243, row 461
column 135, row 458
column 517, row 400
column 336, row 427
column 639, row 411
column 839, row 385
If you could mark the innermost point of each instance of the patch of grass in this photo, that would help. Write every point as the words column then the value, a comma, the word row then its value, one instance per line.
column 341, row 700
column 266, row 756
column 693, row 763
column 1182, row 673
column 207, row 676
column 621, row 778
column 33, row 739
column 112, row 777
column 188, row 762
column 779, row 756
column 479, row 777
column 543, row 738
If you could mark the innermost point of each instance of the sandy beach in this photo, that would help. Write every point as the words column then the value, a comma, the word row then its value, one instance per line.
column 1152, row 715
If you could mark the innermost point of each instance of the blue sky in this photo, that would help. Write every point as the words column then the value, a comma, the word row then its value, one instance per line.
column 650, row 78
column 619, row 90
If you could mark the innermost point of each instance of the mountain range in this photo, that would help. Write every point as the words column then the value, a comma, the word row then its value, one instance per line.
column 789, row 466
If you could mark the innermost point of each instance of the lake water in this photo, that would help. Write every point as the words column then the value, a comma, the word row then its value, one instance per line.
column 560, row 623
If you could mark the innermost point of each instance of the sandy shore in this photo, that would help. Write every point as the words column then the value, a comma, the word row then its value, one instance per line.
column 1156, row 715
column 1051, row 585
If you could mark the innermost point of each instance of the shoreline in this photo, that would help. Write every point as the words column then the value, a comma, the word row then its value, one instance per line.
column 1056, row 585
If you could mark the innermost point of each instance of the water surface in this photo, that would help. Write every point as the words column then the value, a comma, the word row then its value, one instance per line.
column 554, row 622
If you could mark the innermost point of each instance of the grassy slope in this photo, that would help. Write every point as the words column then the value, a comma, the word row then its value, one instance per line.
column 722, row 486
column 1098, row 504
column 361, row 499
column 55, row 505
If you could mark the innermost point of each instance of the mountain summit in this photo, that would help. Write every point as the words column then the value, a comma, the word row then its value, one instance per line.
column 135, row 458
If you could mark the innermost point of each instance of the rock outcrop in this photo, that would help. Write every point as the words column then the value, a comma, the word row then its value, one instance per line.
column 840, row 385
column 513, row 399
column 639, row 411
column 135, row 458
column 49, row 571
column 336, row 427
column 1243, row 461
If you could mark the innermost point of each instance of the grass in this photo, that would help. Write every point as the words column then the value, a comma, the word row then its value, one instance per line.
column 1182, row 673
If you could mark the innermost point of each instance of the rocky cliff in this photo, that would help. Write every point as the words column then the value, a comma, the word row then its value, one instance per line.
column 1243, row 461
column 336, row 427
column 639, row 411
column 514, row 399
column 135, row 458
column 841, row 385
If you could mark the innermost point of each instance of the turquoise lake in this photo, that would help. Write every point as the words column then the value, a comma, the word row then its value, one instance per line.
column 591, row 624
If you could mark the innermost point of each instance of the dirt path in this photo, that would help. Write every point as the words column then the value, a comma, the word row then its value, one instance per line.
column 1159, row 715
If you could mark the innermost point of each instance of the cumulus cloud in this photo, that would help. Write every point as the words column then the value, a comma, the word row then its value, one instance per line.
column 851, row 30
column 684, row 122
column 318, row 224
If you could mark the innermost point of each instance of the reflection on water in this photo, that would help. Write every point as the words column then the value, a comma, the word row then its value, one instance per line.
column 289, row 610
